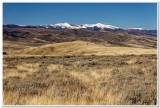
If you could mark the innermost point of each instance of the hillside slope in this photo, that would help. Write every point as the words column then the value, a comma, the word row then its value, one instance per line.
column 40, row 36
column 83, row 48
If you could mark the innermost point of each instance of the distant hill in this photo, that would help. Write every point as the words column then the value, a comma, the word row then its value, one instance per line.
column 42, row 36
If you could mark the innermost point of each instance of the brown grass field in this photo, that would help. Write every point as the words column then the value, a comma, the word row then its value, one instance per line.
column 79, row 73
column 83, row 48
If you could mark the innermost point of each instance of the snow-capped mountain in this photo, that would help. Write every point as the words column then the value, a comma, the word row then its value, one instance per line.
column 135, row 29
column 99, row 25
column 80, row 26
column 92, row 27
column 60, row 26
column 65, row 25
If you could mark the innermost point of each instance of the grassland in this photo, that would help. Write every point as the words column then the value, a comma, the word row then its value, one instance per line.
column 128, row 77
column 81, row 48
column 78, row 67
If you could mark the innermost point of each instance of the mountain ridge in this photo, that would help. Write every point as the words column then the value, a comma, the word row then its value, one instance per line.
column 91, row 27
column 76, row 26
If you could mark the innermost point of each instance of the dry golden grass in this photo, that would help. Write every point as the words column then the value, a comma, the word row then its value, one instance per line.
column 24, row 69
column 11, row 47
column 80, row 80
column 83, row 48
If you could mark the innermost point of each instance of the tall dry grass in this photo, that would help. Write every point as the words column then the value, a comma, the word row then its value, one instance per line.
column 80, row 80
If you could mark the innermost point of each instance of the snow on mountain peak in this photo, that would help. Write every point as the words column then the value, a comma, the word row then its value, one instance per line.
column 136, row 28
column 61, row 25
column 99, row 25
column 66, row 25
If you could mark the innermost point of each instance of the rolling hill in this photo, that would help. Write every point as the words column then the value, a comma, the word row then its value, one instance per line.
column 82, row 48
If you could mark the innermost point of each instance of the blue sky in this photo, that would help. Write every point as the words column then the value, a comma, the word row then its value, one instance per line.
column 125, row 15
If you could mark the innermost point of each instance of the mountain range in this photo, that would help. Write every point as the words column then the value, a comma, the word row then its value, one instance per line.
column 92, row 27
column 66, row 25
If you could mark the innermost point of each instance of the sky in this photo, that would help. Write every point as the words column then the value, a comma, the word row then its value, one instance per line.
column 124, row 15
